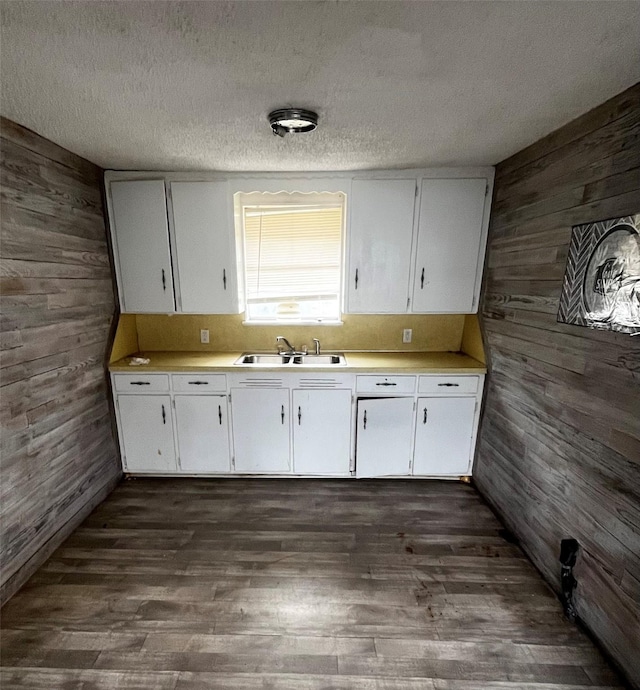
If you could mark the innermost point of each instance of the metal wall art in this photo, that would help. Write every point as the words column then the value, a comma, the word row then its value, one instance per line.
column 602, row 280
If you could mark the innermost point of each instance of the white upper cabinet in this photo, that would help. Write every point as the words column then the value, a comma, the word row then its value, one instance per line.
column 380, row 235
column 450, row 235
column 141, row 246
column 405, row 253
column 204, row 247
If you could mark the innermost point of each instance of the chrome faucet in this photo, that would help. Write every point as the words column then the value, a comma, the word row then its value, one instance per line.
column 317, row 342
column 290, row 351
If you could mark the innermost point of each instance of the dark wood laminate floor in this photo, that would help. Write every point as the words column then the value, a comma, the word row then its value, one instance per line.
column 293, row 584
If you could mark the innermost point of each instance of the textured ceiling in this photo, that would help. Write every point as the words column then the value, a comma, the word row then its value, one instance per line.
column 188, row 85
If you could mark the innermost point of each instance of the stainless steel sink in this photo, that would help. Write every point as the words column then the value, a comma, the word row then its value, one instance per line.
column 268, row 360
column 319, row 360
column 272, row 360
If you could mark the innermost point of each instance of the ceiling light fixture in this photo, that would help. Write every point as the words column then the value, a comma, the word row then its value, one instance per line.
column 285, row 120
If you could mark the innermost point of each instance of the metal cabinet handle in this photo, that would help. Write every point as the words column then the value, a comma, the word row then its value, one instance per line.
column 198, row 383
column 224, row 278
column 299, row 415
column 424, row 419
column 139, row 383
column 365, row 420
column 164, row 415
column 356, row 279
column 164, row 281
column 422, row 279
column 282, row 414
column 220, row 414
column 386, row 383
column 449, row 384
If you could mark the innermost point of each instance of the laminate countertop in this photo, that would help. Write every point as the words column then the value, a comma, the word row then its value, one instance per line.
column 357, row 362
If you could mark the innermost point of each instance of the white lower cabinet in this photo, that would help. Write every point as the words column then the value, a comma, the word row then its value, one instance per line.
column 146, row 433
column 298, row 423
column 383, row 436
column 321, row 431
column 444, row 432
column 260, row 429
column 202, row 433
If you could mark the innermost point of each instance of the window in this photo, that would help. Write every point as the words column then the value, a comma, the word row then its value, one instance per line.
column 292, row 247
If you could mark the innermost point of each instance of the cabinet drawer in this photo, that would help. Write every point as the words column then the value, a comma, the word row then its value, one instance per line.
column 140, row 383
column 385, row 384
column 448, row 384
column 199, row 383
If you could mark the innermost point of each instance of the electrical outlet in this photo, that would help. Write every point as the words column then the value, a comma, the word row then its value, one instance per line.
column 406, row 335
column 204, row 335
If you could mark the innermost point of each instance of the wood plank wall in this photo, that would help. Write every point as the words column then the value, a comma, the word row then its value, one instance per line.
column 58, row 453
column 559, row 451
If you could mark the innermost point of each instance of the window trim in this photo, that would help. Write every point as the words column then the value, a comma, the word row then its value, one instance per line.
column 285, row 198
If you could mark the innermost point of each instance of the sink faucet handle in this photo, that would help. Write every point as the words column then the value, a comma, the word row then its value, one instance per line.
column 317, row 342
column 282, row 339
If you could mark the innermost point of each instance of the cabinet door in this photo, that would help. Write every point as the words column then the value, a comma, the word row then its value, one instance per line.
column 385, row 427
column 444, row 430
column 449, row 237
column 202, row 432
column 205, row 251
column 321, row 431
column 141, row 245
column 146, row 433
column 380, row 236
column 260, row 429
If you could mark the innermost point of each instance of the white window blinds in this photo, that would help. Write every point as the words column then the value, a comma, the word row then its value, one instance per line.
column 292, row 255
